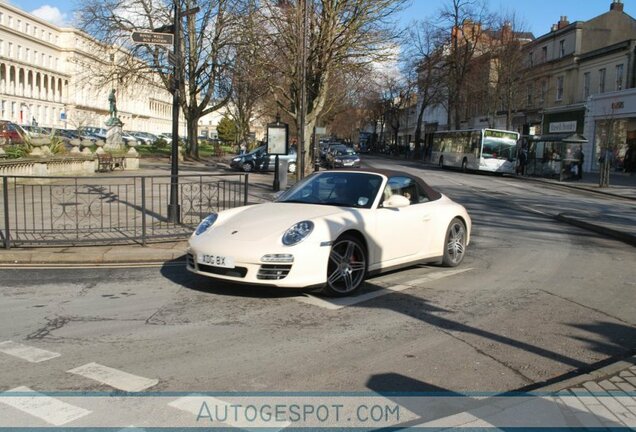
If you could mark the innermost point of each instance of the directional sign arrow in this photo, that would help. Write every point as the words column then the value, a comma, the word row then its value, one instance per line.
column 152, row 38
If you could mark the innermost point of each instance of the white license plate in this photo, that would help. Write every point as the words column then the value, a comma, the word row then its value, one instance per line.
column 216, row 260
column 348, row 163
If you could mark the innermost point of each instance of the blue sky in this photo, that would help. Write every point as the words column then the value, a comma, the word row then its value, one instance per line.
column 537, row 15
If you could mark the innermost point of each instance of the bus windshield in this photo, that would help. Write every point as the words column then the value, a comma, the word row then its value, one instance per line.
column 498, row 148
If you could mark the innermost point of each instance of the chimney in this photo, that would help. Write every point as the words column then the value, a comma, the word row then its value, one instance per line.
column 617, row 5
column 563, row 22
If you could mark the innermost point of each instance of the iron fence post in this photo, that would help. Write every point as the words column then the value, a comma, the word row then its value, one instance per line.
column 143, row 211
column 5, row 199
column 245, row 189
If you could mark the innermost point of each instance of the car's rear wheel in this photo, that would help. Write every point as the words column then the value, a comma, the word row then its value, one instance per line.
column 455, row 243
column 347, row 267
column 247, row 167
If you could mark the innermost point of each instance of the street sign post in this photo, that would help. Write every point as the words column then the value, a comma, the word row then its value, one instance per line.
column 152, row 38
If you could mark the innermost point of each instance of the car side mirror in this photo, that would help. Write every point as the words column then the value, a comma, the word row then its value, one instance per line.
column 396, row 201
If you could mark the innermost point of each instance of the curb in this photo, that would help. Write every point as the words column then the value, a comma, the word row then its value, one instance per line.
column 593, row 375
column 573, row 186
column 610, row 232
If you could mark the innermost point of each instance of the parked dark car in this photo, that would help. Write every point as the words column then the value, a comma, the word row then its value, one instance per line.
column 11, row 133
column 259, row 160
column 344, row 157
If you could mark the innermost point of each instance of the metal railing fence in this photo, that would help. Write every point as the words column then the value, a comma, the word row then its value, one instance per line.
column 40, row 211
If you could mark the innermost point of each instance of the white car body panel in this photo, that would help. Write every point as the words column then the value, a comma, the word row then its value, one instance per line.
column 394, row 237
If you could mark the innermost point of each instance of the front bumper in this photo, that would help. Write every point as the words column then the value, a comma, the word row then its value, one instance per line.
column 346, row 164
column 309, row 268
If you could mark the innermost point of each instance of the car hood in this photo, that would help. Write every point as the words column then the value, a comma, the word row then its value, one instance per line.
column 270, row 220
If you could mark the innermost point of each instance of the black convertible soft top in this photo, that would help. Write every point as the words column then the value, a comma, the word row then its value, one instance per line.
column 431, row 193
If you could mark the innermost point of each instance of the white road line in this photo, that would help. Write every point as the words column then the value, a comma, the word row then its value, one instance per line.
column 51, row 410
column 25, row 352
column 339, row 303
column 113, row 377
column 224, row 412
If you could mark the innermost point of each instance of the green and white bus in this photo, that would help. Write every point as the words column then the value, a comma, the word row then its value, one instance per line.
column 489, row 150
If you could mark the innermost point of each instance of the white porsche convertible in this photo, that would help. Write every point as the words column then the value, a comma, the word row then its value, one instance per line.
column 332, row 230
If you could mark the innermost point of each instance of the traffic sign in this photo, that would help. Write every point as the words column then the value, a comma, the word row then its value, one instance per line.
column 152, row 38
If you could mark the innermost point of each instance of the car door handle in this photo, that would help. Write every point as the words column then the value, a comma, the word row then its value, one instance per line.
column 426, row 217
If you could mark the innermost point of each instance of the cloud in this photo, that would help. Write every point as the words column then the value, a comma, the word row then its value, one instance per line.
column 50, row 14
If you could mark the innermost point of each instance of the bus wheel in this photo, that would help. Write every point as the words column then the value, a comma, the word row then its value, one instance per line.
column 441, row 161
column 464, row 163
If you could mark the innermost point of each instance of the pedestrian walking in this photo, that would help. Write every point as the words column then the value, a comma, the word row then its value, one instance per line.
column 579, row 163
column 243, row 147
column 523, row 162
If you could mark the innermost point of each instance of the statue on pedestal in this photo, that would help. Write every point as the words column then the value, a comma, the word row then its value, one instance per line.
column 113, row 119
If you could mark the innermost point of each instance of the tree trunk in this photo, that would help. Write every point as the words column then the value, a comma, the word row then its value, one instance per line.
column 193, row 133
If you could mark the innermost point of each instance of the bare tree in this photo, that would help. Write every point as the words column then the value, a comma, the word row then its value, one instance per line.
column 342, row 36
column 465, row 21
column 508, row 67
column 426, row 60
column 397, row 96
column 203, row 80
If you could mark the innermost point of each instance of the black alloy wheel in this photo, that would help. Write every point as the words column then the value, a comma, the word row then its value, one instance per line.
column 455, row 243
column 347, row 267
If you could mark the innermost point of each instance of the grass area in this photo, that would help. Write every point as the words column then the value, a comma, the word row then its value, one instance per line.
column 205, row 150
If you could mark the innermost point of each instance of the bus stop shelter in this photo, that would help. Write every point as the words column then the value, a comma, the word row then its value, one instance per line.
column 558, row 156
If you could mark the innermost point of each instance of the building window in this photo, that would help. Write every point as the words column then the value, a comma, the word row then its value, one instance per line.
column 601, row 80
column 586, row 85
column 561, row 48
column 619, row 77
column 19, row 26
column 544, row 54
column 559, row 88
column 529, row 94
column 530, row 59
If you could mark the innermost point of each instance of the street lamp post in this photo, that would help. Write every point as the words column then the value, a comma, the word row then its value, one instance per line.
column 303, row 91
column 174, row 211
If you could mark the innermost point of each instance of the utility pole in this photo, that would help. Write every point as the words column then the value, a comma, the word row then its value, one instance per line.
column 303, row 91
column 174, row 211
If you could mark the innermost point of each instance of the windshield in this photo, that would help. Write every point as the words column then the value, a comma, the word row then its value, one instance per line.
column 498, row 148
column 346, row 152
column 337, row 189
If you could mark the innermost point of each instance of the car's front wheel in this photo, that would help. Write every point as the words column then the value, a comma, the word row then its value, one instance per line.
column 247, row 167
column 347, row 267
column 292, row 168
column 455, row 243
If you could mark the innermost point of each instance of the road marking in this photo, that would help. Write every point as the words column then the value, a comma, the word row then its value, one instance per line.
column 25, row 352
column 51, row 410
column 232, row 413
column 339, row 303
column 113, row 377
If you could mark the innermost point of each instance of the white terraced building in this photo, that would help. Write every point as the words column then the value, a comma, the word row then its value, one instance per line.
column 45, row 77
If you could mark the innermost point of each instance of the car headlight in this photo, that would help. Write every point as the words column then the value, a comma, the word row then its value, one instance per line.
column 236, row 159
column 206, row 223
column 338, row 160
column 297, row 233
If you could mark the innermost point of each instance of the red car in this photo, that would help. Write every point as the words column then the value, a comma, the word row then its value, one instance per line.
column 11, row 133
